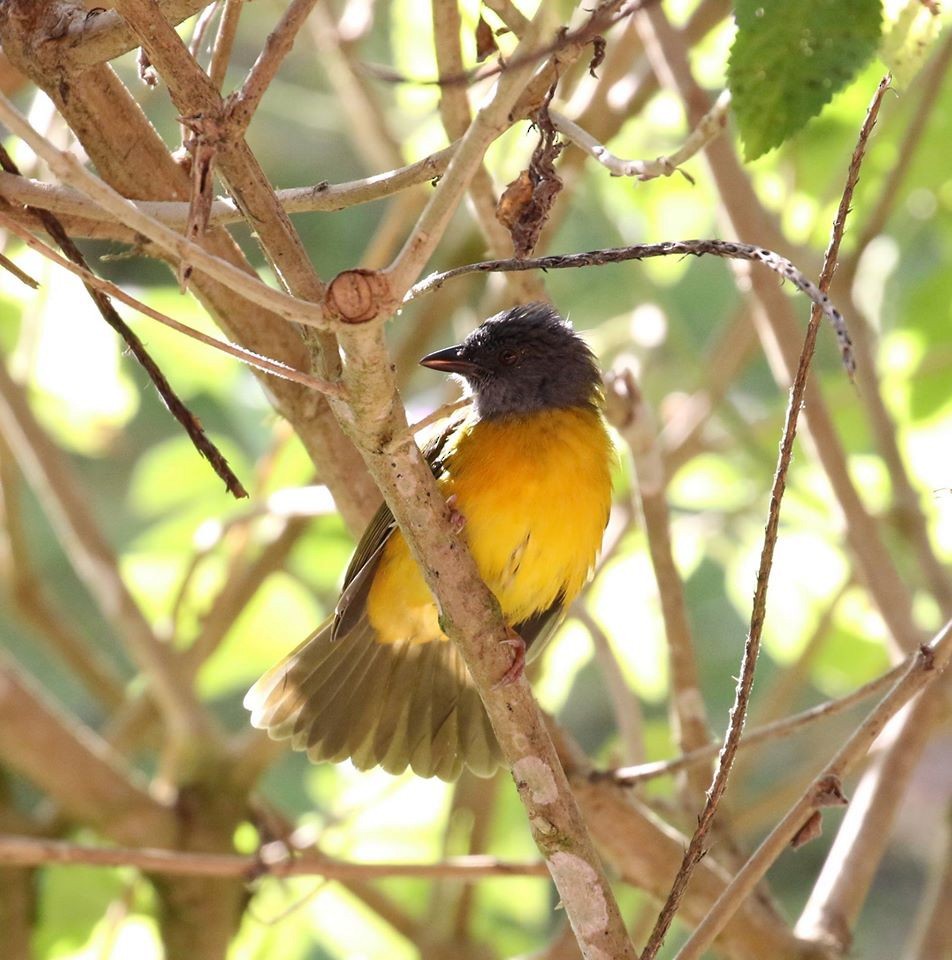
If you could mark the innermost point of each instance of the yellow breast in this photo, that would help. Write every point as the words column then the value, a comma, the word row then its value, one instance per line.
column 535, row 492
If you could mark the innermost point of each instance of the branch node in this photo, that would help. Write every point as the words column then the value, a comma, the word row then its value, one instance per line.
column 359, row 296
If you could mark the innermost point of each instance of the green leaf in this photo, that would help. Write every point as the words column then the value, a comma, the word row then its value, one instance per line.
column 790, row 58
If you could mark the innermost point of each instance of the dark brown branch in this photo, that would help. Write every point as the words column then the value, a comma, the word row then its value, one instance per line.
column 192, row 425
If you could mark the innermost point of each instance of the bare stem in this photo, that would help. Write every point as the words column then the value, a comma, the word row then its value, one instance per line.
column 275, row 860
column 738, row 713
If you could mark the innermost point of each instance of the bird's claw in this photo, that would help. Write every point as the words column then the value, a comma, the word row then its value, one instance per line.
column 457, row 519
column 518, row 666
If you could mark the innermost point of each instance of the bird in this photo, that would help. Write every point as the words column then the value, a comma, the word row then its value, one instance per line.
column 527, row 471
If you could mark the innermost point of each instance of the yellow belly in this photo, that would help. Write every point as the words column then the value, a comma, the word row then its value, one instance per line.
column 535, row 493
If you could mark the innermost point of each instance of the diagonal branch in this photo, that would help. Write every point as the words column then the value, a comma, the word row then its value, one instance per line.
column 932, row 659
column 472, row 619
column 190, row 423
column 58, row 489
column 70, row 170
column 491, row 121
column 74, row 766
column 241, row 105
column 266, row 365
column 738, row 713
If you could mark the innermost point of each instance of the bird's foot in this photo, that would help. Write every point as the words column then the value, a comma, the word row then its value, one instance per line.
column 518, row 667
column 457, row 519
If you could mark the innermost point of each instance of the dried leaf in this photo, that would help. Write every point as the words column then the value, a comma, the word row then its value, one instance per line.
column 524, row 206
column 486, row 44
column 513, row 200
column 812, row 829
column 598, row 55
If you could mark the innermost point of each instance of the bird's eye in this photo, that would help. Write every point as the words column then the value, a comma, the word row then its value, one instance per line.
column 508, row 357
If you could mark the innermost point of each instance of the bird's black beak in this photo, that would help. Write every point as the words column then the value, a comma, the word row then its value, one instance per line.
column 449, row 360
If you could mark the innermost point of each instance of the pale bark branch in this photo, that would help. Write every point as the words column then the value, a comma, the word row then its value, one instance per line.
column 64, row 758
column 195, row 96
column 628, row 412
column 71, row 171
column 319, row 198
column 824, row 791
column 848, row 871
column 710, row 126
column 272, row 367
column 274, row 860
column 472, row 619
column 101, row 35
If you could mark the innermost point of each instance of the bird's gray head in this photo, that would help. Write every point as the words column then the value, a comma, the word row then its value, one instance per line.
column 521, row 360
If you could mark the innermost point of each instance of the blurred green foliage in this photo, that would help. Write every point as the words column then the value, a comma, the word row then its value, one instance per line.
column 160, row 504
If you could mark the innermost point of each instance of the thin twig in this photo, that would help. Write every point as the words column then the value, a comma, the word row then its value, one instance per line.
column 7, row 264
column 224, row 42
column 628, row 412
column 69, row 169
column 777, row 327
column 929, row 663
column 711, row 126
column 275, row 860
column 643, row 251
column 625, row 704
column 738, row 713
column 202, row 22
column 242, row 104
column 265, row 364
column 605, row 16
column 776, row 730
column 489, row 123
column 441, row 413
column 930, row 85
column 205, row 446
column 456, row 116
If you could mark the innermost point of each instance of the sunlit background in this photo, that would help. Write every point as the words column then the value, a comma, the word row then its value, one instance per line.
column 179, row 537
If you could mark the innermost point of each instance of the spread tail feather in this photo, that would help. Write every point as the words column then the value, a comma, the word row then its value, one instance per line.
column 390, row 705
